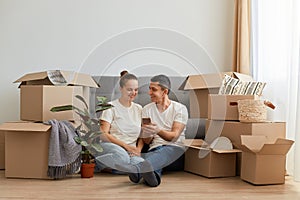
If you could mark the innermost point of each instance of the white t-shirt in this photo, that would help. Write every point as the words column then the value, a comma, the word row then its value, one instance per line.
column 125, row 121
column 176, row 112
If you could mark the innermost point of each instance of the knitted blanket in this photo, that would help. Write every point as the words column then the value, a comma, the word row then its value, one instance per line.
column 64, row 153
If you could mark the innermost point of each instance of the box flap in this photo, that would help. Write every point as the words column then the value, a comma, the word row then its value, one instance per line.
column 195, row 143
column 204, row 148
column 258, row 144
column 32, row 76
column 182, row 86
column 214, row 80
column 221, row 143
column 227, row 151
column 202, row 81
column 242, row 77
column 253, row 143
column 24, row 126
column 79, row 79
column 59, row 77
column 280, row 147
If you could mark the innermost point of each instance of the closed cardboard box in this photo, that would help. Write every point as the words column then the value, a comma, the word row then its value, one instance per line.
column 41, row 91
column 26, row 149
column 210, row 163
column 264, row 163
column 201, row 85
column 225, row 107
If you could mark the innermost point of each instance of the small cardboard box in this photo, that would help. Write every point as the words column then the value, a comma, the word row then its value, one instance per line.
column 225, row 107
column 42, row 90
column 208, row 162
column 234, row 129
column 264, row 163
column 26, row 149
column 200, row 86
column 2, row 147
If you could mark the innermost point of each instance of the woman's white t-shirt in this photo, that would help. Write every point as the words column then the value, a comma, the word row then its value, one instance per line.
column 125, row 121
column 176, row 112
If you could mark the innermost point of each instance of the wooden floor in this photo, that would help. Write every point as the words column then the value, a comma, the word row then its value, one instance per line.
column 175, row 185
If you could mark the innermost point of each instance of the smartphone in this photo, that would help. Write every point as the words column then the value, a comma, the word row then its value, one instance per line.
column 146, row 121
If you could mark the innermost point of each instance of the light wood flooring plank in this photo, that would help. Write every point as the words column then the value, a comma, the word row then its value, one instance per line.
column 175, row 185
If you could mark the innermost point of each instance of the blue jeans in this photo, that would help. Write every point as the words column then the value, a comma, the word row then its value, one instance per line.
column 163, row 156
column 114, row 154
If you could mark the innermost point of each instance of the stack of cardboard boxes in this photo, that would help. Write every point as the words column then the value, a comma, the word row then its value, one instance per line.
column 24, row 144
column 214, row 163
column 260, row 143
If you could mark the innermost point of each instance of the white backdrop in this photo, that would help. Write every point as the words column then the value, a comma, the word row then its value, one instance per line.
column 38, row 35
column 276, row 60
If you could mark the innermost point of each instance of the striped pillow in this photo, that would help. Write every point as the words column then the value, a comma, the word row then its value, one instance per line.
column 235, row 86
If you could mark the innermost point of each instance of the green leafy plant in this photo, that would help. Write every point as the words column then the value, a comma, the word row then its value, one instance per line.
column 89, row 129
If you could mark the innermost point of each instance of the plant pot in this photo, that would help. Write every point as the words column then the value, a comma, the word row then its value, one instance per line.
column 87, row 170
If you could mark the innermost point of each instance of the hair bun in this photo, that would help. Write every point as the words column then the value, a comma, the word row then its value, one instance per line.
column 122, row 73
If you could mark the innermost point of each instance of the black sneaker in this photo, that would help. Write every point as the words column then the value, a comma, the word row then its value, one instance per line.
column 132, row 171
column 134, row 177
column 150, row 177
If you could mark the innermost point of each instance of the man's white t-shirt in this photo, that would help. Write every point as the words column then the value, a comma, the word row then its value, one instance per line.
column 176, row 112
column 125, row 121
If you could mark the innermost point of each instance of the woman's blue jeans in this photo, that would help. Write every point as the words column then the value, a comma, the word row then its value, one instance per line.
column 113, row 154
column 158, row 157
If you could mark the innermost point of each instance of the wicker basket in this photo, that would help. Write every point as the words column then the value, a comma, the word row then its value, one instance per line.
column 252, row 110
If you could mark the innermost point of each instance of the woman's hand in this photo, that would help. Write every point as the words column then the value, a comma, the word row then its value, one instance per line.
column 133, row 151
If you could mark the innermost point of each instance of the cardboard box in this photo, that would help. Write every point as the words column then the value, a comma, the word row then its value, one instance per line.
column 2, row 150
column 200, row 86
column 37, row 100
column 264, row 163
column 208, row 162
column 233, row 130
column 43, row 90
column 26, row 149
column 225, row 107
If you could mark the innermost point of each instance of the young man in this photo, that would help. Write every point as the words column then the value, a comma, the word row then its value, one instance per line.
column 165, row 133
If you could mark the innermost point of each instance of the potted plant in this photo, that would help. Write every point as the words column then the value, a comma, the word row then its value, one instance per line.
column 88, row 132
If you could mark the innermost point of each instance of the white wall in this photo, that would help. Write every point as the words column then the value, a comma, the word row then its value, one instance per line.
column 106, row 36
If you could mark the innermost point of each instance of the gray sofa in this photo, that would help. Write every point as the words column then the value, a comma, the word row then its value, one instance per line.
column 109, row 87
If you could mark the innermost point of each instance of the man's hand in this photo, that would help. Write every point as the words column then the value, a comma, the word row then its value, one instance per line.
column 149, row 130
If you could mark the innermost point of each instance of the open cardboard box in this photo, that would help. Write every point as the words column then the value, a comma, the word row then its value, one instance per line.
column 202, row 160
column 43, row 90
column 26, row 149
column 234, row 129
column 200, row 86
column 225, row 107
column 262, row 162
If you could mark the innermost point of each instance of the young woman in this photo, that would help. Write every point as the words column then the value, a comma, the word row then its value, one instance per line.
column 121, row 126
column 165, row 133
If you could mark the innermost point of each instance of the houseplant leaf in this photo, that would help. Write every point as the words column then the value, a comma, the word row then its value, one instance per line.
column 82, row 100
column 62, row 108
column 97, row 147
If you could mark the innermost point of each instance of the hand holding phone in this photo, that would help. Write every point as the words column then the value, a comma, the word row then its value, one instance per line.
column 146, row 121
